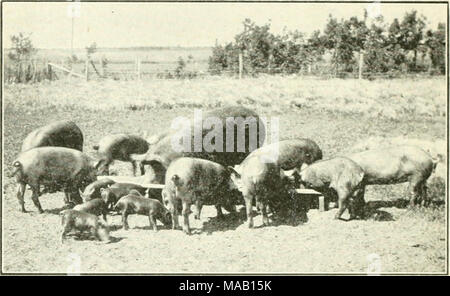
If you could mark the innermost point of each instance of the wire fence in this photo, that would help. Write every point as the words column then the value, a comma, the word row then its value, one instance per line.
column 36, row 70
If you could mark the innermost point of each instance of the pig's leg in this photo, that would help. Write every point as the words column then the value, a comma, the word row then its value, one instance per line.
column 94, row 233
column 104, row 216
column 198, row 209
column 423, row 193
column 152, row 221
column 142, row 168
column 66, row 198
column 342, row 202
column 174, row 220
column 134, row 165
column 356, row 208
column 35, row 198
column 219, row 211
column 65, row 230
column 248, row 209
column 174, row 213
column 20, row 193
column 230, row 208
column 413, row 189
column 125, row 218
column 76, row 197
column 262, row 207
column 185, row 212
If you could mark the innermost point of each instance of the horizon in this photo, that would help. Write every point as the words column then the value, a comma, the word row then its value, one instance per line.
column 183, row 25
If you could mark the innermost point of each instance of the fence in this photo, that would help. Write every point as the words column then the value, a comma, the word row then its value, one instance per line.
column 36, row 70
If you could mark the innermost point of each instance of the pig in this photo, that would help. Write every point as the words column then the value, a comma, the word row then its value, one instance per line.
column 161, row 153
column 60, row 134
column 136, row 204
column 82, row 221
column 292, row 153
column 57, row 169
column 92, row 191
column 119, row 147
column 95, row 206
column 113, row 193
column 196, row 181
column 263, row 181
column 341, row 176
column 397, row 165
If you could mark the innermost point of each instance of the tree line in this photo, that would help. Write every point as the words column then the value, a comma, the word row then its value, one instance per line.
column 402, row 46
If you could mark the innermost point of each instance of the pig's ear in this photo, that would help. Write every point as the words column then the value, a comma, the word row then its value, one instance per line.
column 234, row 171
column 97, row 164
column 304, row 166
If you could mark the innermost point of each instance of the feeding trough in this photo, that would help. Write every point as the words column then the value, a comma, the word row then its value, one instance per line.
column 323, row 206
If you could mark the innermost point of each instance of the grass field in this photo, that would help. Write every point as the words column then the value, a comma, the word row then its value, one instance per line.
column 337, row 114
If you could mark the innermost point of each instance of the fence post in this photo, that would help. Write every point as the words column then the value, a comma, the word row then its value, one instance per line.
column 241, row 66
column 49, row 67
column 361, row 63
column 87, row 69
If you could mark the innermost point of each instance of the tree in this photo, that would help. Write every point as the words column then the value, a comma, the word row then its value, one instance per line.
column 435, row 41
column 217, row 62
column 257, row 44
column 344, row 38
column 22, row 47
column 411, row 34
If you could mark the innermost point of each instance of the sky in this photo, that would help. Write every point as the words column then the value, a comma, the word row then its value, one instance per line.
column 180, row 24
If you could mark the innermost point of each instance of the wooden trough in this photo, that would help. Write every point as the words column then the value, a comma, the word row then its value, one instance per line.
column 135, row 180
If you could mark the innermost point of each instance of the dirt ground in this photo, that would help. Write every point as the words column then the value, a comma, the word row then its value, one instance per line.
column 393, row 238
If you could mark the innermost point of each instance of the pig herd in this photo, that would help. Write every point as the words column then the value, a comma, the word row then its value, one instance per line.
column 52, row 160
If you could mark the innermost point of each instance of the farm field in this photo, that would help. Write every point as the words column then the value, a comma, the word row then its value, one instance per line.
column 337, row 114
column 122, row 60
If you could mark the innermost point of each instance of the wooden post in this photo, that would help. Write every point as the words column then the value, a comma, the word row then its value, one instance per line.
column 241, row 66
column 49, row 67
column 87, row 69
column 361, row 62
column 322, row 205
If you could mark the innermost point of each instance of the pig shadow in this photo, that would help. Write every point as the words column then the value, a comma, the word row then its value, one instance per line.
column 232, row 221
column 148, row 227
column 398, row 203
column 227, row 222
column 57, row 211
column 114, row 227
column 372, row 209
column 85, row 236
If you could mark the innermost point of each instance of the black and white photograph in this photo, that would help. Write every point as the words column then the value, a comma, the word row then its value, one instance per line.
column 224, row 138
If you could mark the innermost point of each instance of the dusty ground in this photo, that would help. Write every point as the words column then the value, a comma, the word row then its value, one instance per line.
column 405, row 240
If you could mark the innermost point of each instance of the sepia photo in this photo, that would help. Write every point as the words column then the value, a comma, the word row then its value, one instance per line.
column 224, row 138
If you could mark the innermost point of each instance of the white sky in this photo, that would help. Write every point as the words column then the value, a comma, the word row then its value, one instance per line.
column 183, row 24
